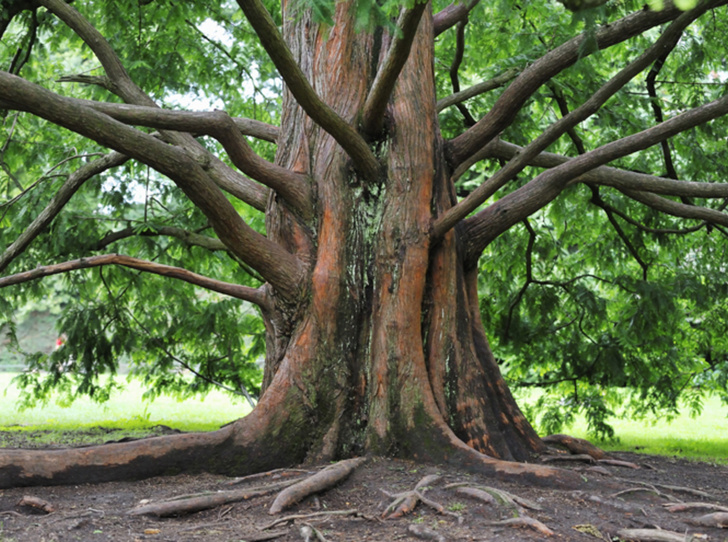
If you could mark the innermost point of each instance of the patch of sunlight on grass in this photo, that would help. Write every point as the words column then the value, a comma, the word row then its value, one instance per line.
column 703, row 437
column 125, row 410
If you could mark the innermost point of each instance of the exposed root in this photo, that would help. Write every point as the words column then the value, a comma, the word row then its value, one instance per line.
column 510, row 500
column 679, row 489
column 524, row 521
column 652, row 535
column 309, row 533
column 328, row 477
column 685, row 506
column 716, row 519
column 648, row 489
column 619, row 463
column 426, row 534
column 575, row 445
column 194, row 503
column 37, row 503
column 405, row 502
column 585, row 458
column 478, row 494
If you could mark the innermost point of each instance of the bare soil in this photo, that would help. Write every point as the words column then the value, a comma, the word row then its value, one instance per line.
column 352, row 510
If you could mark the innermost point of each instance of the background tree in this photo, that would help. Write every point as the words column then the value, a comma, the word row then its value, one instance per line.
column 398, row 208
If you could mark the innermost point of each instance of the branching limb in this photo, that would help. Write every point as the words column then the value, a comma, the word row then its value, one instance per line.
column 505, row 109
column 125, row 88
column 675, row 208
column 614, row 177
column 455, row 66
column 344, row 134
column 279, row 267
column 565, row 123
column 59, row 200
column 187, row 237
column 477, row 90
column 597, row 200
column 254, row 295
column 293, row 187
column 376, row 102
column 452, row 15
column 514, row 207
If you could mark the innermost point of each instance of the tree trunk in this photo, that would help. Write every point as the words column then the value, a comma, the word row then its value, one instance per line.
column 386, row 353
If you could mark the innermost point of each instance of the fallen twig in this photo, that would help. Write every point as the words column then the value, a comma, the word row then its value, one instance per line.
column 685, row 506
column 271, row 474
column 524, row 521
column 294, row 517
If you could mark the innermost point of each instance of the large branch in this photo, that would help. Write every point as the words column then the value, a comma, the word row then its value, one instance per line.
column 452, row 15
column 676, row 208
column 279, row 267
column 294, row 187
column 666, row 41
column 383, row 85
column 344, row 134
column 124, row 87
column 479, row 230
column 59, row 200
column 515, row 96
column 246, row 293
column 615, row 177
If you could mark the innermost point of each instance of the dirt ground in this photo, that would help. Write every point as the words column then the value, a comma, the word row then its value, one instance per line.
column 352, row 511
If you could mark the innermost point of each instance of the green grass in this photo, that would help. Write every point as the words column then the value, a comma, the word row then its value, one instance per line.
column 125, row 410
column 703, row 437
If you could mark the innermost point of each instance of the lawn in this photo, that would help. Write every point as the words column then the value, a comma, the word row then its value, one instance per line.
column 703, row 437
column 124, row 410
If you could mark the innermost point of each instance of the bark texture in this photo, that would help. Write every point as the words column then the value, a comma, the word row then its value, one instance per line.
column 383, row 351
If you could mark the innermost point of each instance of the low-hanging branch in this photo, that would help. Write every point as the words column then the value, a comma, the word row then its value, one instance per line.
column 344, row 134
column 383, row 85
column 482, row 228
column 246, row 293
column 666, row 41
column 504, row 112
column 278, row 266
column 74, row 181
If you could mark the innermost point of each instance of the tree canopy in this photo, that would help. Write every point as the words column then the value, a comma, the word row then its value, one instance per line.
column 609, row 276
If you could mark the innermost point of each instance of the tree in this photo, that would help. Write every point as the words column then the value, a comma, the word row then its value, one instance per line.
column 377, row 226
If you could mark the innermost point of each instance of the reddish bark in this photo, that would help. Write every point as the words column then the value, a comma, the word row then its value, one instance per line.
column 383, row 351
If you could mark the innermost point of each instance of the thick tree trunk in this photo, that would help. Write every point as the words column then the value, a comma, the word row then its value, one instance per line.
column 386, row 354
